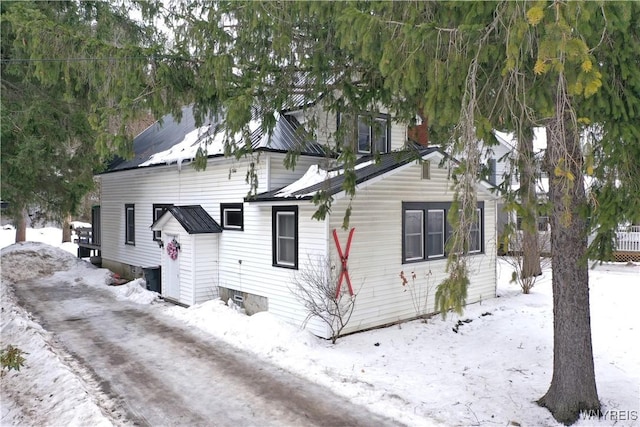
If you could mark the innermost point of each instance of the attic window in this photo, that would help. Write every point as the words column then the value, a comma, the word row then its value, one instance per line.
column 426, row 170
column 369, row 134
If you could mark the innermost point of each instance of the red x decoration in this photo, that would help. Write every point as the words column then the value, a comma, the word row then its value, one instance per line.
column 344, row 257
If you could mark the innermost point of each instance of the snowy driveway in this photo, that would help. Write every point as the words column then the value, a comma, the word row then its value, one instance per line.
column 163, row 373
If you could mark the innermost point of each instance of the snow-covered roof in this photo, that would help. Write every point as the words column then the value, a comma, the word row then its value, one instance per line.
column 539, row 139
column 317, row 179
column 173, row 141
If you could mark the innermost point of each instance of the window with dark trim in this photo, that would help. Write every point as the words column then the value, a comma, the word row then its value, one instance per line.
column 371, row 132
column 285, row 236
column 158, row 210
column 425, row 231
column 232, row 216
column 129, row 224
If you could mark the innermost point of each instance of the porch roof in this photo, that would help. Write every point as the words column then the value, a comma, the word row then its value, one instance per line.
column 194, row 219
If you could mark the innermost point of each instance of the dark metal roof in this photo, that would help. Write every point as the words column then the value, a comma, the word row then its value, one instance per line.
column 160, row 136
column 194, row 219
column 288, row 135
column 386, row 163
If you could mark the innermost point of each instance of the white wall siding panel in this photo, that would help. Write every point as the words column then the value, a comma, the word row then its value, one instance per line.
column 205, row 267
column 375, row 261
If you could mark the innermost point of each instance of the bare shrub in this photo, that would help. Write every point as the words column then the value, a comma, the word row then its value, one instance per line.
column 419, row 291
column 316, row 286
column 515, row 259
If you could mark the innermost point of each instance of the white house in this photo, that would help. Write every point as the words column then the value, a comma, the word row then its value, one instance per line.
column 211, row 237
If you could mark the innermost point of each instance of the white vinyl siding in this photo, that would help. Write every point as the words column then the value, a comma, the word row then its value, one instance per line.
column 375, row 260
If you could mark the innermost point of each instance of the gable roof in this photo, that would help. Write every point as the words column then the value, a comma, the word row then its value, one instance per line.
column 331, row 181
column 194, row 219
column 170, row 140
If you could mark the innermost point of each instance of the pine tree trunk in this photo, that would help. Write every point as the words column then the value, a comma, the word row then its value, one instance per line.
column 530, row 247
column 573, row 385
column 21, row 227
column 66, row 229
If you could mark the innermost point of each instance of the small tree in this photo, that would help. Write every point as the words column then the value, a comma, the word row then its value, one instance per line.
column 316, row 287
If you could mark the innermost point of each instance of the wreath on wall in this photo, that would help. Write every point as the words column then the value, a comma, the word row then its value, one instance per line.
column 172, row 249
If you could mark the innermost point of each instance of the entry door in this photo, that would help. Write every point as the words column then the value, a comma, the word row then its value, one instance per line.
column 172, row 268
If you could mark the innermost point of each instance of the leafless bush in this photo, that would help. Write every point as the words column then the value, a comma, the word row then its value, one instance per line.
column 516, row 259
column 419, row 291
column 316, row 286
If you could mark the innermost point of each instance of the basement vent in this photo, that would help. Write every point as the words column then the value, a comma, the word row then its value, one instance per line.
column 426, row 170
column 237, row 297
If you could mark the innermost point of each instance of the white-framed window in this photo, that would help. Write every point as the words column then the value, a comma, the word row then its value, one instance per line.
column 475, row 234
column 129, row 224
column 414, row 234
column 372, row 132
column 232, row 216
column 285, row 236
column 435, row 233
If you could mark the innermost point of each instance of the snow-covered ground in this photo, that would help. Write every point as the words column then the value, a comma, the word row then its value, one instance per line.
column 488, row 373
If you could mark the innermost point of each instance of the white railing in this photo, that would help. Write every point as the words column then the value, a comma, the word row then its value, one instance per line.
column 628, row 239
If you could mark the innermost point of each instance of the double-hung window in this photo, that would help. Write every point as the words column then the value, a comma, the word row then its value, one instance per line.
column 129, row 224
column 414, row 234
column 158, row 210
column 232, row 216
column 373, row 134
column 475, row 234
column 435, row 233
column 426, row 230
column 285, row 236
column 370, row 131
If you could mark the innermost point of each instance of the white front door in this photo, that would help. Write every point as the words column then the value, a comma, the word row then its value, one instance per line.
column 172, row 272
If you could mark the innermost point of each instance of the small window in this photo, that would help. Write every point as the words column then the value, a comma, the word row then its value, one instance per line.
column 475, row 234
column 285, row 236
column 232, row 216
column 543, row 223
column 129, row 224
column 493, row 171
column 158, row 210
column 426, row 170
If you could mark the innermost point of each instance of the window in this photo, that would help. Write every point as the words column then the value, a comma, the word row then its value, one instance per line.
column 475, row 234
column 493, row 171
column 158, row 210
column 285, row 236
column 543, row 223
column 414, row 234
column 418, row 245
column 426, row 170
column 373, row 132
column 129, row 224
column 435, row 233
column 232, row 216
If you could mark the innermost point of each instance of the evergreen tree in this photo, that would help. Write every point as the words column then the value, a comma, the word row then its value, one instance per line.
column 471, row 67
column 73, row 76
